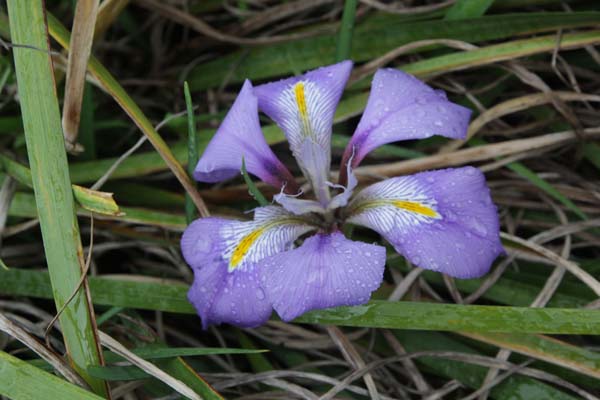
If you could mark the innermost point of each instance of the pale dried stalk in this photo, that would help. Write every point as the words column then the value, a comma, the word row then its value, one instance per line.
column 570, row 266
column 183, row 18
column 467, row 156
column 147, row 367
column 512, row 106
column 107, row 14
column 79, row 53
column 14, row 330
column 370, row 67
column 352, row 357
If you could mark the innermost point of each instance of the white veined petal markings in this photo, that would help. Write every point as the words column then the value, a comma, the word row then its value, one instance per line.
column 250, row 242
column 394, row 203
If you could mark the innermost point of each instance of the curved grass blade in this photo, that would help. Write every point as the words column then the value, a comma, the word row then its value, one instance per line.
column 258, row 196
column 190, row 210
column 23, row 205
column 54, row 198
column 344, row 43
column 20, row 380
column 468, row 9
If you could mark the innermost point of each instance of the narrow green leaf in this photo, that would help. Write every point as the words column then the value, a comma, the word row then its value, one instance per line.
column 23, row 205
column 258, row 196
column 154, row 353
column 468, row 9
column 374, row 40
column 21, row 381
column 91, row 200
column 259, row 362
column 171, row 297
column 190, row 208
column 591, row 151
column 49, row 170
column 179, row 369
column 96, row 201
column 344, row 43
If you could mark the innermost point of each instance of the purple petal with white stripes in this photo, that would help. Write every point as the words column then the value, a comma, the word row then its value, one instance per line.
column 226, row 257
column 441, row 220
column 304, row 106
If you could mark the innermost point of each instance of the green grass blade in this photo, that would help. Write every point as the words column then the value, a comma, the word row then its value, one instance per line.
column 190, row 209
column 155, row 353
column 54, row 198
column 372, row 41
column 258, row 196
column 171, row 297
column 468, row 9
column 91, row 200
column 179, row 369
column 22, row 381
column 344, row 43
column 23, row 205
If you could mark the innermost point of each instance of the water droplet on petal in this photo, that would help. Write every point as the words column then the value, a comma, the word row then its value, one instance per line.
column 260, row 294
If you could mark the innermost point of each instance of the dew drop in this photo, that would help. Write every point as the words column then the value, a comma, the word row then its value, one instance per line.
column 438, row 123
column 260, row 294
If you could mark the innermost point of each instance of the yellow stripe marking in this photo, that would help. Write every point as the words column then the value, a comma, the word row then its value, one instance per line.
column 301, row 99
column 415, row 207
column 412, row 206
column 243, row 246
column 302, row 108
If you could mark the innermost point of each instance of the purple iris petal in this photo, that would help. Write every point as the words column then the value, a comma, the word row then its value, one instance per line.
column 401, row 107
column 235, row 298
column 328, row 270
column 440, row 220
column 304, row 107
column 226, row 255
column 240, row 136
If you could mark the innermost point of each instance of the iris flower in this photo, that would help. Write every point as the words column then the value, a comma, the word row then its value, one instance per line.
column 293, row 257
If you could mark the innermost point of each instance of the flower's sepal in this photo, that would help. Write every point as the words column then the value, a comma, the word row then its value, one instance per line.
column 441, row 220
column 327, row 270
column 226, row 257
column 304, row 107
column 401, row 107
column 240, row 137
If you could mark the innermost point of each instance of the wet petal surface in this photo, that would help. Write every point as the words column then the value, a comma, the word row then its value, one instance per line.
column 441, row 220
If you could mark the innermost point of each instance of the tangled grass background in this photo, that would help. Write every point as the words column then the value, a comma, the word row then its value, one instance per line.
column 528, row 68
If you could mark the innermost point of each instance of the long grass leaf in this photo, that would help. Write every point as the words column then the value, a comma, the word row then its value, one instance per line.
column 20, row 380
column 170, row 297
column 54, row 198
